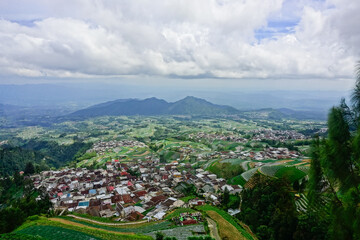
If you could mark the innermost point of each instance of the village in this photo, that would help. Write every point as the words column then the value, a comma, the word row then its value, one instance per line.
column 130, row 192
column 102, row 147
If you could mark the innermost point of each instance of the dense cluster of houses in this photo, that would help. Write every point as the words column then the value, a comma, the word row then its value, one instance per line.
column 267, row 153
column 102, row 147
column 277, row 135
column 133, row 191
column 214, row 136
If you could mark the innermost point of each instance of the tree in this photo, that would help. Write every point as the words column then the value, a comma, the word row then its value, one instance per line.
column 226, row 197
column 159, row 236
column 336, row 156
column 162, row 157
column 29, row 169
column 316, row 183
column 269, row 208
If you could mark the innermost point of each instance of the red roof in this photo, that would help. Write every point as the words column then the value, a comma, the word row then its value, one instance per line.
column 188, row 222
column 123, row 173
column 126, row 198
column 140, row 193
column 110, row 188
column 116, row 160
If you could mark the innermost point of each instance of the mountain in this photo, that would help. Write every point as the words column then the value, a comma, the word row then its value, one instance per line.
column 154, row 106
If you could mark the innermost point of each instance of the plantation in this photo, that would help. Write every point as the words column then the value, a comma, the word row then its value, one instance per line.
column 238, row 180
column 270, row 170
column 56, row 233
column 58, row 228
column 143, row 228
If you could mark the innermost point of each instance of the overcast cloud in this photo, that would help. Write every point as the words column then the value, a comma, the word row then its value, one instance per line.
column 237, row 40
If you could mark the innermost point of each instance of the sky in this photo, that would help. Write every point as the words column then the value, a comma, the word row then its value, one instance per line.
column 215, row 44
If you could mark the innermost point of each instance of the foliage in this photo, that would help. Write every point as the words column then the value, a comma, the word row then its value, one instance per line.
column 29, row 169
column 310, row 226
column 23, row 206
column 225, row 169
column 269, row 209
column 14, row 159
column 42, row 154
column 159, row 236
column 201, row 238
column 334, row 172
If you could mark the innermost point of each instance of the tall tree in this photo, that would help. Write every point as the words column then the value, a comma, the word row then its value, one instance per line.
column 316, row 179
column 29, row 169
column 336, row 159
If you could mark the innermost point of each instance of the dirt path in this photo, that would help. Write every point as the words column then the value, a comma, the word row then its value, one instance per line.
column 143, row 154
column 67, row 222
column 213, row 229
column 227, row 230
column 104, row 223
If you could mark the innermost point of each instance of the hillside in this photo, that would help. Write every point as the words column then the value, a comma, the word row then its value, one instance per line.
column 154, row 106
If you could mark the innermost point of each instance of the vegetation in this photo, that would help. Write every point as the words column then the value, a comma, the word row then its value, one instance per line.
column 269, row 209
column 334, row 173
column 228, row 218
column 18, row 198
column 41, row 154
column 225, row 169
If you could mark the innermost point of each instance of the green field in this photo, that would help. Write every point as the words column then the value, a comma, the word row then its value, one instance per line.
column 56, row 233
column 290, row 173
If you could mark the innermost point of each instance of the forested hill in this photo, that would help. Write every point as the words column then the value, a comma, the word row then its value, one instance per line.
column 43, row 154
column 154, row 106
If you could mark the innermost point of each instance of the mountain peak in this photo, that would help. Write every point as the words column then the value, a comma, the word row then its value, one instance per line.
column 153, row 106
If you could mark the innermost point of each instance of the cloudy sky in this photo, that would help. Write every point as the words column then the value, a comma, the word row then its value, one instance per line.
column 274, row 44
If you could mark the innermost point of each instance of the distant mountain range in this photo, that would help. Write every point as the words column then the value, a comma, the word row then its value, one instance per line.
column 155, row 106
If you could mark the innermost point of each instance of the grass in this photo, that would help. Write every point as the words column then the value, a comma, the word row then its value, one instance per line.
column 187, row 198
column 238, row 180
column 226, row 230
column 290, row 173
column 229, row 219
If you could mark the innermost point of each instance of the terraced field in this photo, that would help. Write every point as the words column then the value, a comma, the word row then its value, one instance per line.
column 248, row 174
column 149, row 229
column 291, row 173
column 57, row 228
column 56, row 233
column 270, row 170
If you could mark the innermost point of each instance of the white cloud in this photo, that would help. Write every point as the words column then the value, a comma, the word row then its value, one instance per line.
column 199, row 39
